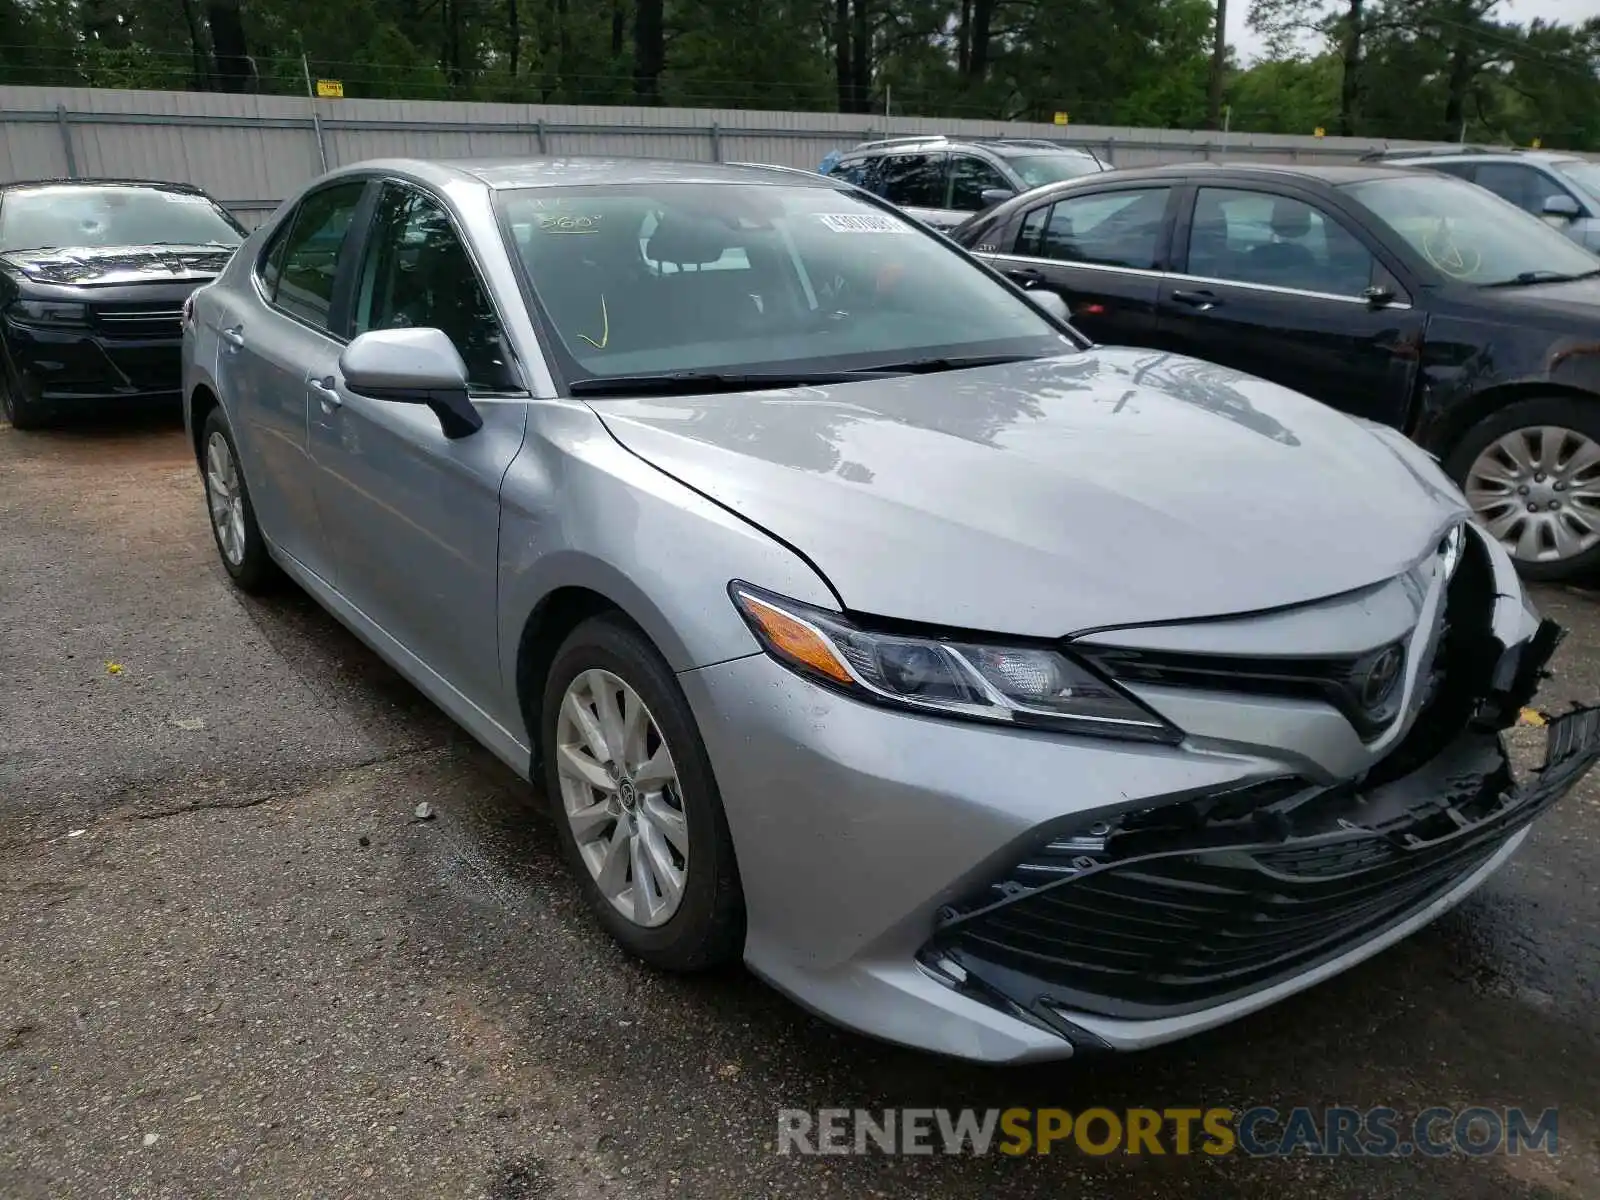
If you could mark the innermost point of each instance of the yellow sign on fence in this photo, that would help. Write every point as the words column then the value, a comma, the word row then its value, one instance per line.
column 1061, row 118
column 330, row 89
column 1319, row 132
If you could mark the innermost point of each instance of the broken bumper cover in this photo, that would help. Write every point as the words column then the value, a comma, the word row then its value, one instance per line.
column 1134, row 935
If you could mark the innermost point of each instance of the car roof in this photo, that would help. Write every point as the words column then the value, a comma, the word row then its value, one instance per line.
column 159, row 184
column 1331, row 175
column 1474, row 154
column 543, row 172
column 1002, row 146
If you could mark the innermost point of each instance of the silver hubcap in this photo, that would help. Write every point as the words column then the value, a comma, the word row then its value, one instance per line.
column 620, row 792
column 226, row 498
column 1538, row 491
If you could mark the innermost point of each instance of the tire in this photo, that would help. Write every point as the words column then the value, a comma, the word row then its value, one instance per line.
column 22, row 411
column 239, row 542
column 1495, row 485
column 706, row 927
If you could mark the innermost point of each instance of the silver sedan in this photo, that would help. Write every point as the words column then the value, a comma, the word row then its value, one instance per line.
column 982, row 689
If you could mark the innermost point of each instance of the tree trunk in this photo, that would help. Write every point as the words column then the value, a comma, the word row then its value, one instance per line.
column 964, row 44
column 232, row 67
column 861, row 55
column 513, row 36
column 1462, row 69
column 199, row 55
column 649, row 51
column 1350, row 79
column 841, row 55
column 978, row 51
column 619, row 27
column 1219, row 65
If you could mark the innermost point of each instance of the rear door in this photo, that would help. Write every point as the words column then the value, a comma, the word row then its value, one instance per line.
column 1102, row 251
column 917, row 182
column 274, row 336
column 1274, row 283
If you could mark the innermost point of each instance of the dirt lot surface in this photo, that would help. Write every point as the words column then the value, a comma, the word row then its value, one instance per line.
column 233, row 963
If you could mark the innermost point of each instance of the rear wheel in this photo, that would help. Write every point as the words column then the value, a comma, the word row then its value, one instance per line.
column 233, row 518
column 635, row 803
column 1532, row 475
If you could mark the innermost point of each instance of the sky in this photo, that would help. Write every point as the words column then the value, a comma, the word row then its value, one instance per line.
column 1250, row 46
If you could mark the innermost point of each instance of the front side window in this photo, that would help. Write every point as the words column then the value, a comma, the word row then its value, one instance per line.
column 417, row 275
column 75, row 216
column 1036, row 170
column 304, row 285
column 1469, row 235
column 1116, row 229
column 1581, row 172
column 1256, row 237
column 969, row 178
column 696, row 277
column 912, row 180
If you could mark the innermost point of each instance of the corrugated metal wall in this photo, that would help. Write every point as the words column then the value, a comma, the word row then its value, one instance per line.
column 251, row 151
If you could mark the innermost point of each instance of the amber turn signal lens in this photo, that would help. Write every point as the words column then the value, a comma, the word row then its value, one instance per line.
column 795, row 640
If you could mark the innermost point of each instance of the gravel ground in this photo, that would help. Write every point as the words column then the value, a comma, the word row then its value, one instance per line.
column 232, row 962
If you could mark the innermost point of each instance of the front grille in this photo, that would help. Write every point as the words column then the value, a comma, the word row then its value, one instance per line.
column 139, row 321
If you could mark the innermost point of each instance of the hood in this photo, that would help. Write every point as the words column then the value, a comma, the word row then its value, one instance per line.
column 118, row 264
column 1112, row 487
column 1576, row 299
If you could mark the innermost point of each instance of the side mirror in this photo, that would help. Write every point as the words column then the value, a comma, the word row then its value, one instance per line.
column 1052, row 303
column 1378, row 296
column 992, row 196
column 412, row 366
column 1562, row 206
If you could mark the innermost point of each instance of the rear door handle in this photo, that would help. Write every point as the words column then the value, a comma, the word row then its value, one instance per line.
column 234, row 335
column 1201, row 300
column 1027, row 276
column 327, row 392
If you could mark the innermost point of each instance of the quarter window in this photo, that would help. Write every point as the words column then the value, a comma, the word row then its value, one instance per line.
column 969, row 178
column 418, row 275
column 304, row 287
column 912, row 180
column 1256, row 237
column 1115, row 229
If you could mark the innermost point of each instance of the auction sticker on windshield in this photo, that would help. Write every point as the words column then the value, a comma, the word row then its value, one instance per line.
column 861, row 223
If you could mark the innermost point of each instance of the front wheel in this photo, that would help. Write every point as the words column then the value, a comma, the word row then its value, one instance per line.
column 1531, row 473
column 233, row 517
column 635, row 802
column 20, row 409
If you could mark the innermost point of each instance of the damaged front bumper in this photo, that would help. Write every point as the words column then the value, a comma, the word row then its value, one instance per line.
column 1175, row 921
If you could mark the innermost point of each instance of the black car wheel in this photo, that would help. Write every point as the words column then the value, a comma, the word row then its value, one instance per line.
column 1532, row 475
column 233, row 517
column 21, row 410
column 635, row 802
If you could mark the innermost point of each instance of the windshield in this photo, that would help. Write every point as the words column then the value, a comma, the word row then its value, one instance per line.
column 1036, row 170
column 1582, row 172
column 754, row 279
column 49, row 218
column 1469, row 234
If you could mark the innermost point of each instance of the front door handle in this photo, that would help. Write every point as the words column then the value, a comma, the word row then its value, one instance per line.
column 1201, row 301
column 327, row 392
column 234, row 335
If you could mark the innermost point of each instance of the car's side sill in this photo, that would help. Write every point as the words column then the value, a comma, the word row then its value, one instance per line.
column 498, row 740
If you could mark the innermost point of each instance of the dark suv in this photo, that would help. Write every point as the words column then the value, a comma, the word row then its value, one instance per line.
column 942, row 182
column 93, row 277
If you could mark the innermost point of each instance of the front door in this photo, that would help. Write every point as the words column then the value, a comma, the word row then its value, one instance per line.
column 1102, row 252
column 1277, row 286
column 413, row 517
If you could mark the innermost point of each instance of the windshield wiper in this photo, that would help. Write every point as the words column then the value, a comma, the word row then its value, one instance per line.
column 927, row 366
column 1528, row 278
column 692, row 383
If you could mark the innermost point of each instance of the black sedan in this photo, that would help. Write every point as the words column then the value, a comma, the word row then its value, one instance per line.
column 93, row 276
column 1413, row 299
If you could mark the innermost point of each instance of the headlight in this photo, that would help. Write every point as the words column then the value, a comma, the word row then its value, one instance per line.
column 49, row 312
column 1013, row 685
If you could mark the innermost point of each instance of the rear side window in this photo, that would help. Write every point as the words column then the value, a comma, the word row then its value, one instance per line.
column 1115, row 229
column 913, row 180
column 303, row 285
column 853, row 171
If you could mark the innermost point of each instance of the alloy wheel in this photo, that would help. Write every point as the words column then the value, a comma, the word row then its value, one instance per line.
column 1537, row 491
column 621, row 797
column 225, row 497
